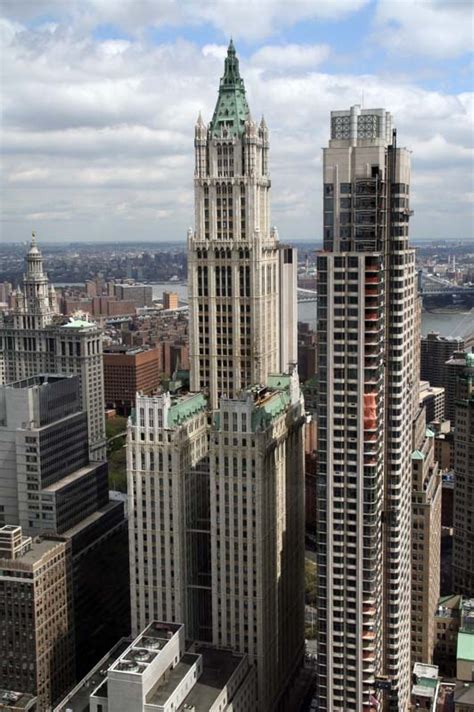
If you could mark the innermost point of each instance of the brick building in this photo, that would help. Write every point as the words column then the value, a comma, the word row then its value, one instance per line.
column 127, row 371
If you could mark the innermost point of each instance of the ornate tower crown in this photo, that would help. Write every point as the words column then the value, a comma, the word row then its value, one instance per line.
column 231, row 109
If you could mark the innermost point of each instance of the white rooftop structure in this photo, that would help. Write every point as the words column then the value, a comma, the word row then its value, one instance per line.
column 155, row 673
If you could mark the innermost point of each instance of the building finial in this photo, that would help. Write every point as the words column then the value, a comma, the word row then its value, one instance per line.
column 200, row 123
column 231, row 48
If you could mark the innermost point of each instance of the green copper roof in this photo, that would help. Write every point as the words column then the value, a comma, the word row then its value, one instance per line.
column 429, row 433
column 279, row 380
column 185, row 408
column 465, row 649
column 231, row 109
column 270, row 409
column 417, row 455
column 78, row 324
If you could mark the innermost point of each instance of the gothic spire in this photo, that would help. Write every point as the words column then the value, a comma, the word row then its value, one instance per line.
column 231, row 109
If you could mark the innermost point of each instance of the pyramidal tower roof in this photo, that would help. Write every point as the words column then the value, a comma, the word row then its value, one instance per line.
column 232, row 109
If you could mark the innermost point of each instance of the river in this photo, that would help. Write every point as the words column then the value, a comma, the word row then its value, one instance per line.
column 452, row 323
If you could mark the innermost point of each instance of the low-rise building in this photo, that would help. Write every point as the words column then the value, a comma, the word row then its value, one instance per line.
column 425, row 688
column 157, row 672
column 465, row 643
column 447, row 623
column 14, row 701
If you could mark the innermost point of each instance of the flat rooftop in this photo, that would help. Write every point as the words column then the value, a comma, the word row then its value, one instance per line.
column 33, row 555
column 465, row 649
column 146, row 647
column 166, row 686
column 40, row 379
column 78, row 698
column 69, row 479
column 218, row 667
column 464, row 693
column 12, row 700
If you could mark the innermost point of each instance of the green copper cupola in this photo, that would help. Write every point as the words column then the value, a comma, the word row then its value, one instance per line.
column 232, row 109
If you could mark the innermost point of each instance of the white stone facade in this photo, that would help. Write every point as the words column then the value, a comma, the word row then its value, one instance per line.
column 31, row 342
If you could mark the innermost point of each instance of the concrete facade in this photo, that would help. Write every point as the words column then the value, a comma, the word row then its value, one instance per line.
column 37, row 641
column 32, row 342
column 463, row 545
column 426, row 546
column 157, row 672
column 368, row 314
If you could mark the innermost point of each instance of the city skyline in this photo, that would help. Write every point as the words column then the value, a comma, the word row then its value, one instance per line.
column 108, row 153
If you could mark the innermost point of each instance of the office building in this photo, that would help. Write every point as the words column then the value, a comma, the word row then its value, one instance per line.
column 432, row 399
column 447, row 624
column 235, row 269
column 257, row 531
column 367, row 396
column 195, row 516
column 288, row 297
column 170, row 300
column 166, row 442
column 306, row 352
column 435, row 351
column 128, row 371
column 49, row 485
column 463, row 546
column 216, row 485
column 426, row 542
column 454, row 368
column 139, row 294
column 157, row 671
column 36, row 622
column 32, row 342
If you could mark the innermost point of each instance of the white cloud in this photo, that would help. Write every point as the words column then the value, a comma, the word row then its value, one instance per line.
column 241, row 18
column 290, row 56
column 98, row 135
column 433, row 28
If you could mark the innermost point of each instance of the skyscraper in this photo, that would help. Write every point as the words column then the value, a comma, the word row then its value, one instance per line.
column 233, row 253
column 463, row 543
column 216, row 485
column 367, row 324
column 33, row 342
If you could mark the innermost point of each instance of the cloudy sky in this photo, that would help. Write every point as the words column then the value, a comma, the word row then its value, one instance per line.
column 100, row 98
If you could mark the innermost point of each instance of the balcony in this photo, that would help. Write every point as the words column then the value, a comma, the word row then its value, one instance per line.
column 368, row 609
